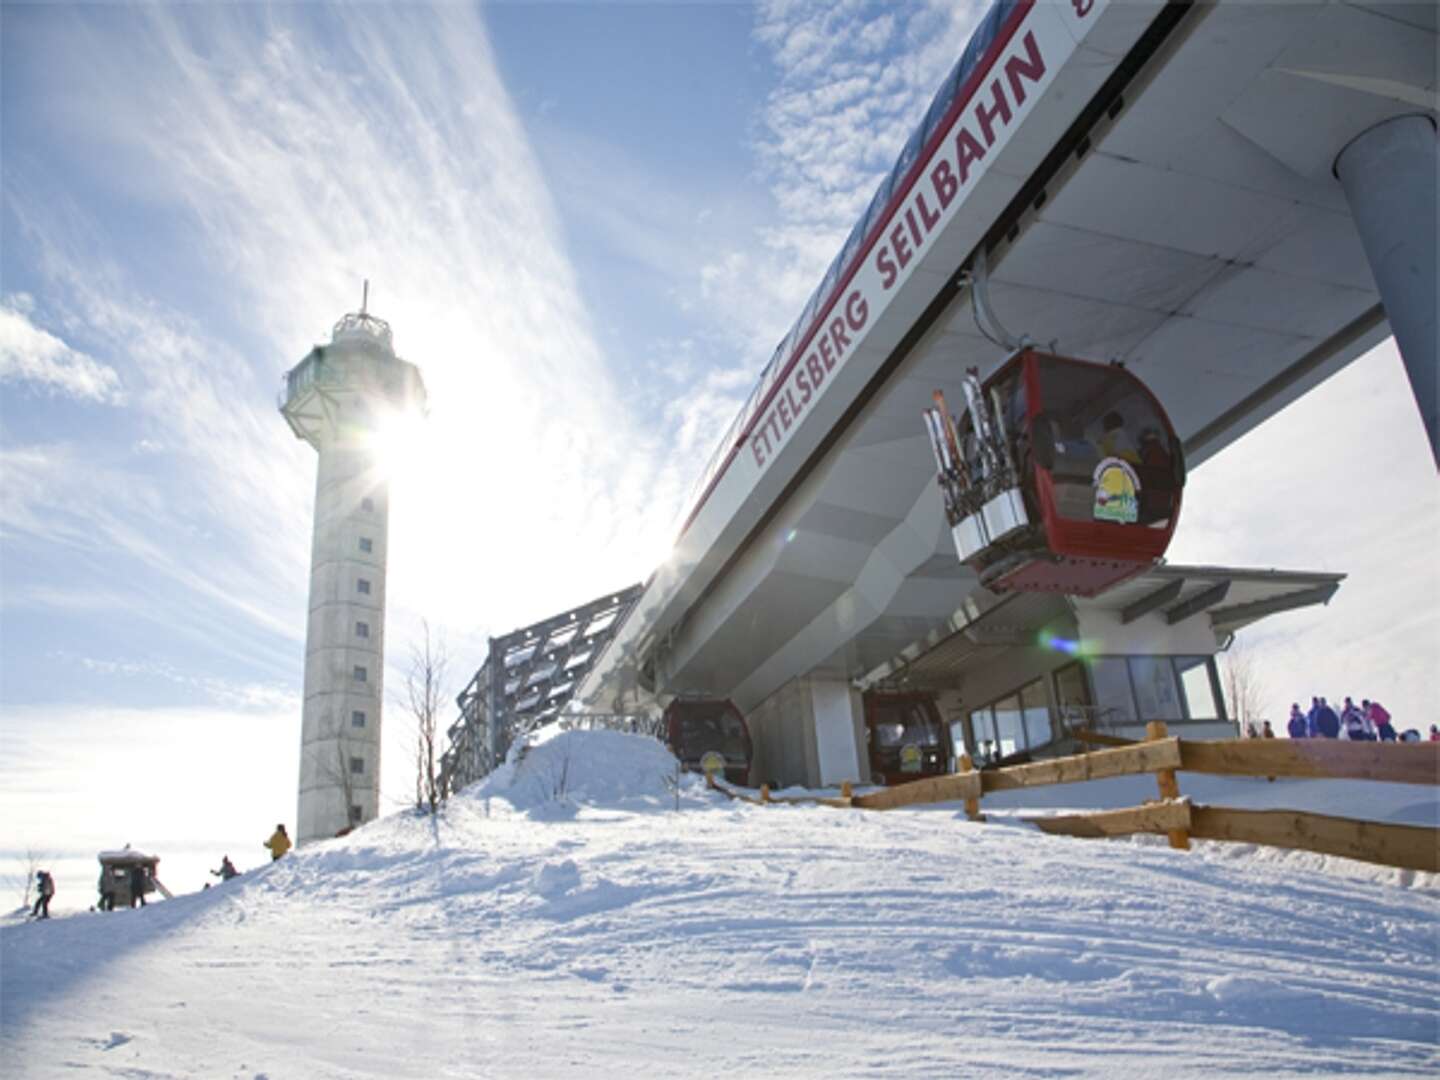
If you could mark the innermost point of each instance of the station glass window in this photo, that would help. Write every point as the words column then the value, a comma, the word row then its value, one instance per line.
column 1114, row 699
column 1036, row 707
column 357, row 718
column 366, row 545
column 357, row 766
column 361, row 675
column 1018, row 721
column 1197, row 682
column 908, row 154
column 1156, row 695
column 362, row 586
column 1009, row 724
column 1072, row 695
column 362, row 629
column 1138, row 689
column 957, row 739
column 356, row 814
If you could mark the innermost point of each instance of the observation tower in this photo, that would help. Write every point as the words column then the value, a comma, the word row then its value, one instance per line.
column 337, row 399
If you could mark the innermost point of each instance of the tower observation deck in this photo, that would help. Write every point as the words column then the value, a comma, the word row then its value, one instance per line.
column 337, row 399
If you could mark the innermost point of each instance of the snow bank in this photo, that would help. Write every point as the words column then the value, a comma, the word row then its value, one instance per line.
column 576, row 915
column 595, row 768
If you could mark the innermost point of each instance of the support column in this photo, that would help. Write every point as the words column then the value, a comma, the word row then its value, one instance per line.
column 1389, row 177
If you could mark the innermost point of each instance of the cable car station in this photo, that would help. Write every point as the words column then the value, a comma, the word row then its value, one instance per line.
column 1121, row 237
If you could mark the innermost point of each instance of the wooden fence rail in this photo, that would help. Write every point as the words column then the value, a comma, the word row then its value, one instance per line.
column 1410, row 846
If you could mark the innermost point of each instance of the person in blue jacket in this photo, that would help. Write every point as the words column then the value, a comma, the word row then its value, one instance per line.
column 1327, row 721
column 1298, row 727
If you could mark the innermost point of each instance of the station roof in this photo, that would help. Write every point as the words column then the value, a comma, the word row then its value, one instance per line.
column 1231, row 598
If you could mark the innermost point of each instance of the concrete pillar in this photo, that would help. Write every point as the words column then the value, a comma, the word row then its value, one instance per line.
column 809, row 732
column 837, row 716
column 1389, row 177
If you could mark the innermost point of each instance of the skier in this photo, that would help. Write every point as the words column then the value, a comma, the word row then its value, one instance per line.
column 227, row 869
column 1266, row 731
column 279, row 842
column 46, row 885
column 137, row 885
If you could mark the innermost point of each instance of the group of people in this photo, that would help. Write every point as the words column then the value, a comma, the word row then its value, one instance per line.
column 1367, row 722
column 139, row 880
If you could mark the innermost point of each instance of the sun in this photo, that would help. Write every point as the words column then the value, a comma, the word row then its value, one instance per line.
column 399, row 445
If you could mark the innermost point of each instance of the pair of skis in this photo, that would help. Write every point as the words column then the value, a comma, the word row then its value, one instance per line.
column 953, row 474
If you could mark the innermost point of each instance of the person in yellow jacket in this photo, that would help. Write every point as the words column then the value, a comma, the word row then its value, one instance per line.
column 279, row 842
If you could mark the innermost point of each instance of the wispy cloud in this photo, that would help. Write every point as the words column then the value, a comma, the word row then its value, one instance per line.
column 851, row 82
column 294, row 178
column 35, row 357
column 222, row 692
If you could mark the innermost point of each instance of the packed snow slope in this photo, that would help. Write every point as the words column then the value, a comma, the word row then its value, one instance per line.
column 566, row 919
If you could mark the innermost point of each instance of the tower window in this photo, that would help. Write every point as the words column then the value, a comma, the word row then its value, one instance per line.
column 357, row 766
column 357, row 718
column 368, row 505
column 366, row 545
column 355, row 815
column 362, row 629
column 361, row 675
column 362, row 586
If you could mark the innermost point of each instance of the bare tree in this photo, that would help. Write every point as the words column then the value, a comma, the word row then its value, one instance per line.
column 338, row 772
column 33, row 861
column 424, row 699
column 1244, row 688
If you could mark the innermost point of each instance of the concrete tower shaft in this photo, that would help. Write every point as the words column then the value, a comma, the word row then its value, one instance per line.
column 337, row 399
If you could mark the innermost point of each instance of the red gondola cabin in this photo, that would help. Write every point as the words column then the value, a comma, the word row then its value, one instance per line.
column 907, row 740
column 698, row 728
column 1060, row 475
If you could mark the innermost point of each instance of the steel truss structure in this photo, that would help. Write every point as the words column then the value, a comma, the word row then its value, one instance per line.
column 527, row 678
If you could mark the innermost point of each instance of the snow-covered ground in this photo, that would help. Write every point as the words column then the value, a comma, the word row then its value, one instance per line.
column 566, row 919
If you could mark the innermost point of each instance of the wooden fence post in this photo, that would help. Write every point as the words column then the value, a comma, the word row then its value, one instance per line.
column 765, row 791
column 1169, row 787
column 845, row 790
column 972, row 804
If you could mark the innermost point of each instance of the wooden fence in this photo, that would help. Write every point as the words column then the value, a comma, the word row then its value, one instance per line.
column 1412, row 847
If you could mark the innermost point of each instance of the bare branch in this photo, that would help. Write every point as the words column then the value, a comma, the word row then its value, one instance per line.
column 1244, row 686
column 425, row 697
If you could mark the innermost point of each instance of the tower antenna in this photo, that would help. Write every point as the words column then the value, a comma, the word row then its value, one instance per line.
column 365, row 297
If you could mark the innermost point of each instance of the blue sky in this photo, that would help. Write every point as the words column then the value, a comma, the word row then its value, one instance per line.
column 588, row 224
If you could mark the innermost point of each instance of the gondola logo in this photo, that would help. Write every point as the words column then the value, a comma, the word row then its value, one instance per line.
column 1117, row 492
column 910, row 758
column 712, row 762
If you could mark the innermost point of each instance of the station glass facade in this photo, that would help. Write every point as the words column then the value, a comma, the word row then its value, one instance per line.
column 1104, row 693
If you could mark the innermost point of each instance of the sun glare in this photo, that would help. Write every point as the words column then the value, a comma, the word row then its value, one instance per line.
column 399, row 445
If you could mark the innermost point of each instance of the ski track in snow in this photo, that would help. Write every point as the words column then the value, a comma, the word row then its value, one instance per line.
column 517, row 936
